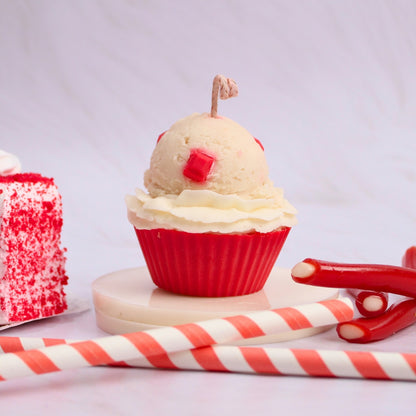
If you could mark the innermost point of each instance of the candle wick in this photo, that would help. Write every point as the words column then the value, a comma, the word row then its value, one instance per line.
column 225, row 88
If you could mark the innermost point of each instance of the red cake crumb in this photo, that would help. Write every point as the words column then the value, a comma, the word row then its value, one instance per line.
column 32, row 263
column 26, row 177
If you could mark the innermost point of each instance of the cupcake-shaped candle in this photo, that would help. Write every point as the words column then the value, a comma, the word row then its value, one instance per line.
column 212, row 223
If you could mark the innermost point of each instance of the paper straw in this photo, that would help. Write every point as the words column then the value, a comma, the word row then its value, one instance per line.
column 161, row 341
column 295, row 362
column 272, row 361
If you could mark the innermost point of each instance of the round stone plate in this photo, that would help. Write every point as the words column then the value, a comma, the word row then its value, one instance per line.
column 128, row 301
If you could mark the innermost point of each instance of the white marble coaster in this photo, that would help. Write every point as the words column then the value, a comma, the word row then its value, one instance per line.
column 128, row 301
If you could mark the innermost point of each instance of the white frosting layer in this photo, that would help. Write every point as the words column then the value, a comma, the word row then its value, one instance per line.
column 199, row 211
column 9, row 164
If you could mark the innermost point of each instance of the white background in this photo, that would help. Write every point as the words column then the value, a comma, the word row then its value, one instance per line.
column 329, row 87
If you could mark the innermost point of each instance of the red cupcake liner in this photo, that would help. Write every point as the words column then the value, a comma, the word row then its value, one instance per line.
column 210, row 264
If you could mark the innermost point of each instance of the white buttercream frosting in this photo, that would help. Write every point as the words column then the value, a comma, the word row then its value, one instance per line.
column 199, row 211
column 9, row 164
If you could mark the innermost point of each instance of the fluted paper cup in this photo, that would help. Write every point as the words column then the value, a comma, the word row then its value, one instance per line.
column 210, row 264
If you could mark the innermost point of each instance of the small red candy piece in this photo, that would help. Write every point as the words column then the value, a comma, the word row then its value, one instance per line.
column 198, row 166
column 259, row 143
column 160, row 136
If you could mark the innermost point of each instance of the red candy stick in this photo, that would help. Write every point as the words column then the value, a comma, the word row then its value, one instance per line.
column 363, row 330
column 370, row 303
column 409, row 258
column 376, row 277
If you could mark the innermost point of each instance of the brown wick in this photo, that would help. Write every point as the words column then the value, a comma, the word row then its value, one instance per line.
column 226, row 87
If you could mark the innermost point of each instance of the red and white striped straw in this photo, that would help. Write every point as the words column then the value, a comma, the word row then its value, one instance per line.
column 296, row 362
column 162, row 341
column 257, row 360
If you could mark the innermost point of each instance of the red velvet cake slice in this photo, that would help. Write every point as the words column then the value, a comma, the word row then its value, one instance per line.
column 32, row 263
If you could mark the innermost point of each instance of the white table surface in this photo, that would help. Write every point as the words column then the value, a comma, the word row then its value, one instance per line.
column 329, row 88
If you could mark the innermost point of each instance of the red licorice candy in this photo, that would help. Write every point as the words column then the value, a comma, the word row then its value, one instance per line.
column 375, row 277
column 368, row 302
column 364, row 330
column 409, row 258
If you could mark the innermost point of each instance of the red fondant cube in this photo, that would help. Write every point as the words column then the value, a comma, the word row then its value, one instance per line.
column 198, row 166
